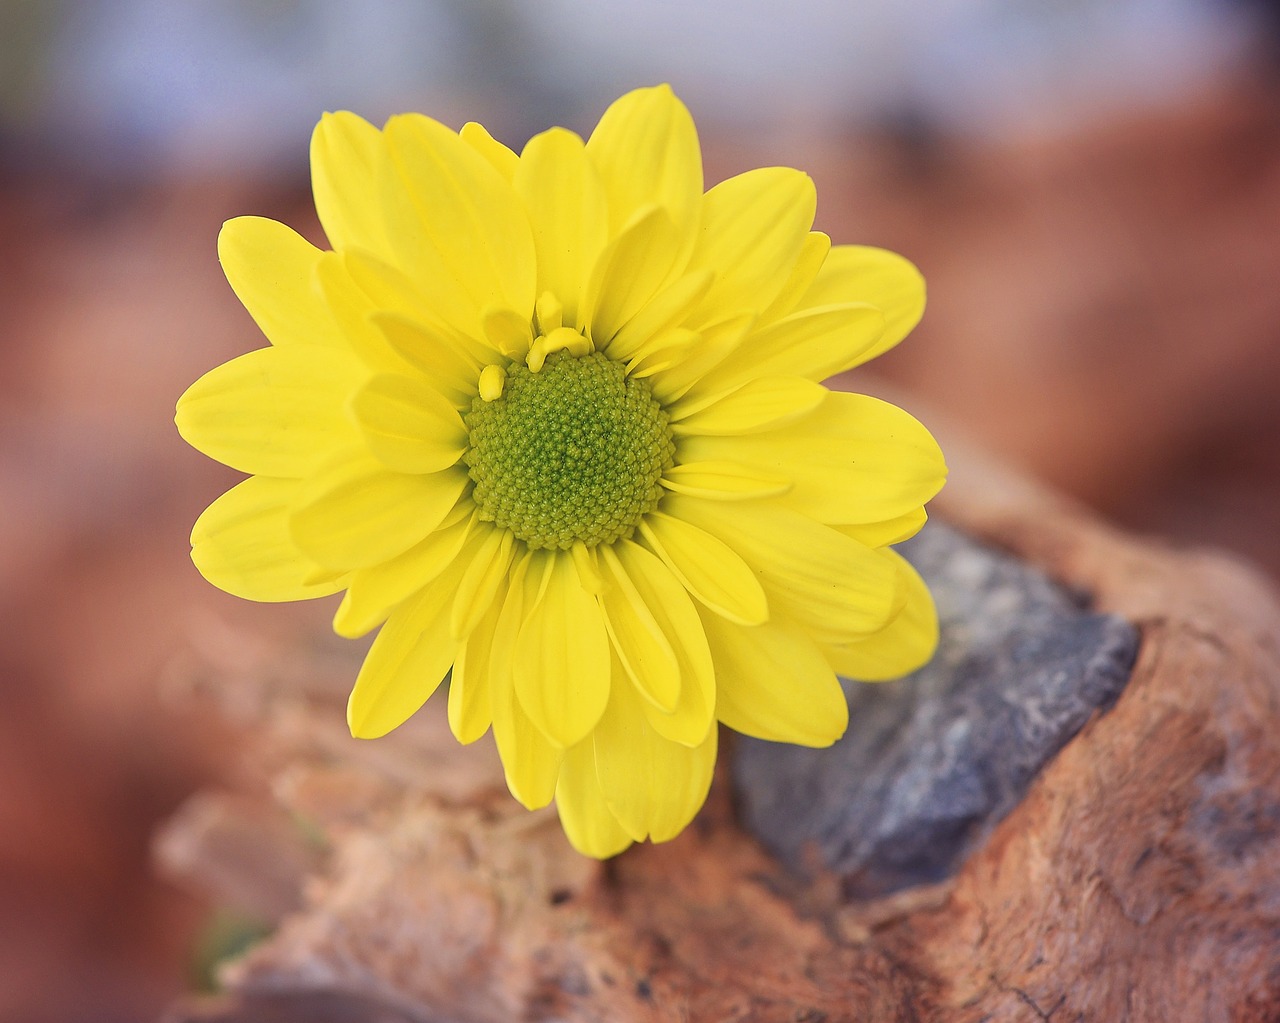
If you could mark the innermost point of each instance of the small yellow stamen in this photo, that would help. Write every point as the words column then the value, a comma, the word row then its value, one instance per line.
column 562, row 339
column 492, row 380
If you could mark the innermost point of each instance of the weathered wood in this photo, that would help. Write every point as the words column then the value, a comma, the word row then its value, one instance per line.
column 1138, row 879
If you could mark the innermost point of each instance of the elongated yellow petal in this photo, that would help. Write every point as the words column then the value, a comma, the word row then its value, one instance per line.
column 902, row 646
column 854, row 459
column 272, row 268
column 351, row 308
column 241, row 544
column 346, row 154
column 753, row 229
column 860, row 273
column 355, row 513
column 677, row 617
column 888, row 531
column 374, row 592
column 839, row 588
column 652, row 786
column 813, row 253
column 669, row 307
column 627, row 274
column 646, row 149
column 408, row 425
column 567, row 210
column 460, row 218
column 502, row 159
column 488, row 555
column 814, row 344
column 773, row 683
column 562, row 657
column 274, row 411
column 470, row 703
column 531, row 764
column 641, row 646
column 719, row 342
column 762, row 404
column 451, row 370
column 707, row 567
column 587, row 821
column 723, row 481
column 406, row 663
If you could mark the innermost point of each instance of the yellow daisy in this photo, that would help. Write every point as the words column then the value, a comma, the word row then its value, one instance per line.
column 554, row 421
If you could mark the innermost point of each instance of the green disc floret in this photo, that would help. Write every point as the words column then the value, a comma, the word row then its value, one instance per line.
column 572, row 452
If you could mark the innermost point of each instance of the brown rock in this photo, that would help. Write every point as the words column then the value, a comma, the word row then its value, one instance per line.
column 1138, row 880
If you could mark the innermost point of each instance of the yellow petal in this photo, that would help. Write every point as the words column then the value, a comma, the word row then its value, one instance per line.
column 507, row 331
column 627, row 274
column 355, row 513
column 646, row 149
column 652, row 786
column 456, row 215
column 488, row 556
column 859, row 273
column 889, row 531
column 813, row 253
column 707, row 567
column 567, row 210
column 720, row 342
column 905, row 644
column 452, row 371
column 375, row 591
column 470, row 706
column 753, row 229
column 408, row 425
column 723, row 481
column 833, row 586
column 814, row 344
column 678, row 619
column 274, row 411
column 531, row 764
column 271, row 268
column 664, row 310
column 241, row 544
column 346, row 154
column 562, row 655
column 762, row 404
column 351, row 308
column 584, row 815
column 854, row 459
column 406, row 663
column 773, row 683
column 638, row 640
column 502, row 159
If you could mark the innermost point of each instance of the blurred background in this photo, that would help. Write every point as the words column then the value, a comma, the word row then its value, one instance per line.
column 1091, row 187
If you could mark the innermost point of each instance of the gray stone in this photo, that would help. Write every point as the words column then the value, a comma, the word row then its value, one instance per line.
column 931, row 763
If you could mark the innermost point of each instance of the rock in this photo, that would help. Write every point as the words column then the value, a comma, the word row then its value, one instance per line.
column 932, row 763
column 1136, row 878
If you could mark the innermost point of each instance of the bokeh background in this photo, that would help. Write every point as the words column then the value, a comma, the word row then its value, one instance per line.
column 1092, row 188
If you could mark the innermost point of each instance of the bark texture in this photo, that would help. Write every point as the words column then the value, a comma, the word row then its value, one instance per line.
column 1137, row 879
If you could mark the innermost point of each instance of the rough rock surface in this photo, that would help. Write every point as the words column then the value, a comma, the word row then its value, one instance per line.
column 932, row 762
column 1137, row 879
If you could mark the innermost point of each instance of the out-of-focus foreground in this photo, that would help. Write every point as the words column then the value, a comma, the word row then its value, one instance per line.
column 1103, row 312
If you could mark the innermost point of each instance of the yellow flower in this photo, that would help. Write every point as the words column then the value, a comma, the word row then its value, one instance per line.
column 554, row 421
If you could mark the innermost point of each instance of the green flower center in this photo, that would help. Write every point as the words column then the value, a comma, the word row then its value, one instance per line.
column 572, row 452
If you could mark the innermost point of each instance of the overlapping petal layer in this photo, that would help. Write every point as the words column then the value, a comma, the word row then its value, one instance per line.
column 756, row 569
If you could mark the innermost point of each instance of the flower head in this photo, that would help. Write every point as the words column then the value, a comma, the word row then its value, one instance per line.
column 555, row 423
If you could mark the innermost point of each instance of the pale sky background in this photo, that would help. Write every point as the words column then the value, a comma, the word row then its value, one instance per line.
column 218, row 84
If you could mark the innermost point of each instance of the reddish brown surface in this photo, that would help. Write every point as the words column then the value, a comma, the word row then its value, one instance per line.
column 1139, row 879
column 1102, row 310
